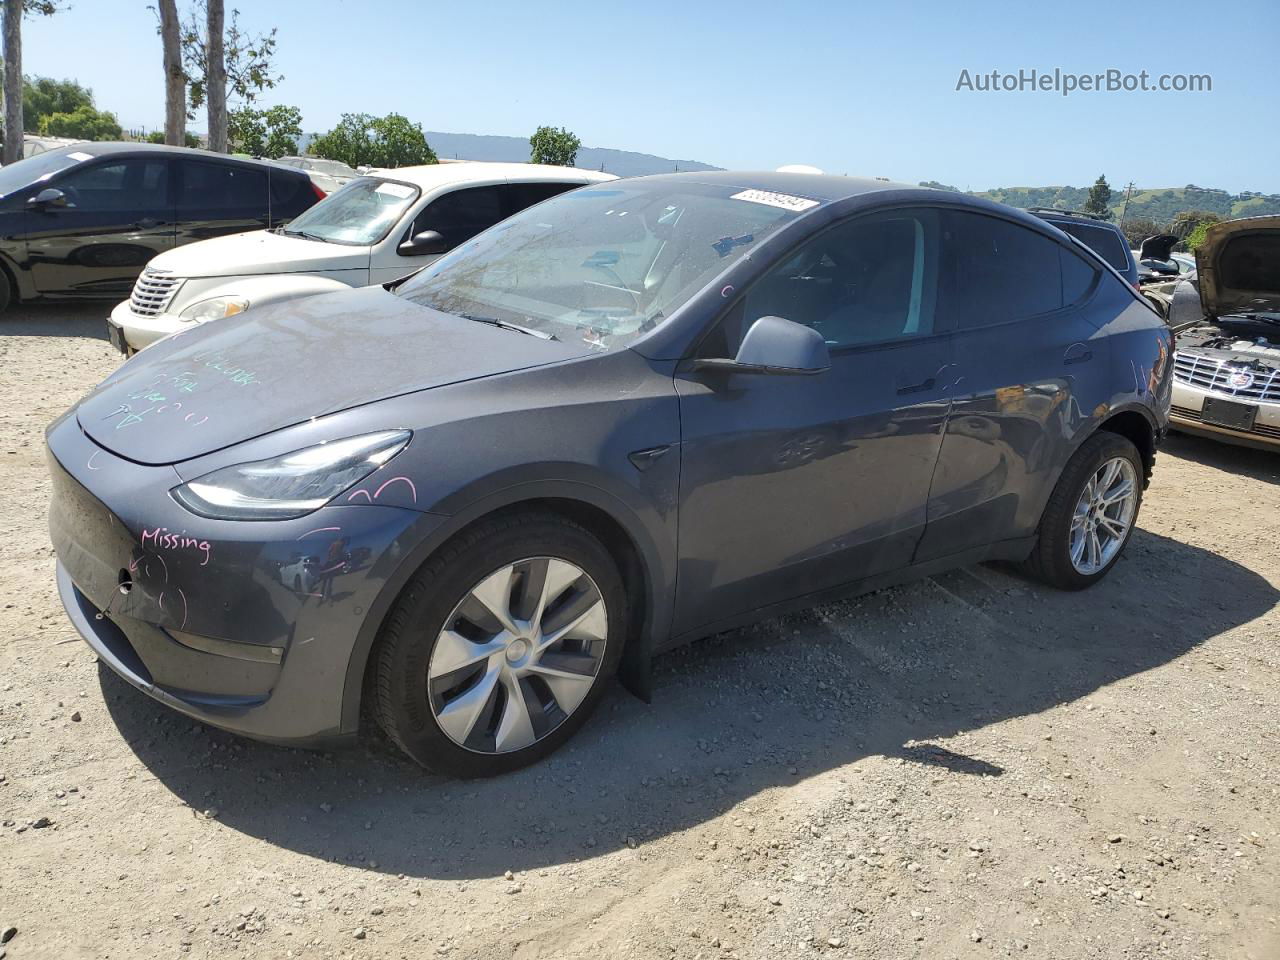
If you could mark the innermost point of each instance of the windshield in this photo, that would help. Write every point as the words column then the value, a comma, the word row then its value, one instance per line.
column 602, row 265
column 361, row 212
column 41, row 166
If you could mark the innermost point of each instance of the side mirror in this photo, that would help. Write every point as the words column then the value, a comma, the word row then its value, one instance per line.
column 50, row 197
column 423, row 244
column 776, row 346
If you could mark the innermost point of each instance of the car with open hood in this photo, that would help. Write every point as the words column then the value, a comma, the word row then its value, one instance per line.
column 1226, row 371
column 635, row 414
column 376, row 228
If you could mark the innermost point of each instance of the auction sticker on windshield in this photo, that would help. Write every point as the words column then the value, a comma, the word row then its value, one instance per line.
column 783, row 200
column 397, row 190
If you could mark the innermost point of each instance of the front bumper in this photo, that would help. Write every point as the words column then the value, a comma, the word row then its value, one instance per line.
column 215, row 622
column 139, row 331
column 1185, row 415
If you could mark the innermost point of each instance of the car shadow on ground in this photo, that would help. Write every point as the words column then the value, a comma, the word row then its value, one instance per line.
column 66, row 319
column 733, row 715
column 1263, row 465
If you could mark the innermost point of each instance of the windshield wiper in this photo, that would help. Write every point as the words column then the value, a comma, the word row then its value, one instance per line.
column 305, row 235
column 508, row 325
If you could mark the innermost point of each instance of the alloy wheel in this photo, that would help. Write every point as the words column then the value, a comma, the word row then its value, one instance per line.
column 518, row 655
column 1103, row 515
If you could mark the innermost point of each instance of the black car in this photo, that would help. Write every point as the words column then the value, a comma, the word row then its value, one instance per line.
column 1101, row 236
column 82, row 221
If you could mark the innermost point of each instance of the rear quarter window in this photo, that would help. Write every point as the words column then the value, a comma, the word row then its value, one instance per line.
column 1105, row 243
column 290, row 194
column 1078, row 276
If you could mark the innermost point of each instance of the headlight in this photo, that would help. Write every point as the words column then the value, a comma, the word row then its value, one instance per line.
column 292, row 485
column 215, row 308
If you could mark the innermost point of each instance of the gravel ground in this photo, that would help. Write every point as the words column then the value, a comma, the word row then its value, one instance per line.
column 969, row 766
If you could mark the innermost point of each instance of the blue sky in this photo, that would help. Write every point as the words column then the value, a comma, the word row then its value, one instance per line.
column 859, row 88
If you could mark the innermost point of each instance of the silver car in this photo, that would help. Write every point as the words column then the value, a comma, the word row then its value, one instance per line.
column 1226, row 372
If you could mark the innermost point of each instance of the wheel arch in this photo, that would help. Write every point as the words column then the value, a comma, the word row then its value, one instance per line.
column 1136, row 425
column 648, row 583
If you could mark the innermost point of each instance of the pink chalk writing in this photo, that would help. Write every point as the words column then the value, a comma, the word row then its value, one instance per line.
column 359, row 493
column 412, row 488
column 320, row 530
column 161, row 538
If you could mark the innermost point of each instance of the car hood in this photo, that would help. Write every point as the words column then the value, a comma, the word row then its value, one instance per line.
column 222, row 383
column 258, row 252
column 1238, row 266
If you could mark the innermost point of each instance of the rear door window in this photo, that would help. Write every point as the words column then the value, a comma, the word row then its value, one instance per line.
column 212, row 189
column 993, row 271
column 521, row 195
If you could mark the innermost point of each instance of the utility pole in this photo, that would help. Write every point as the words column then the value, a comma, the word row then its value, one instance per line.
column 1128, row 192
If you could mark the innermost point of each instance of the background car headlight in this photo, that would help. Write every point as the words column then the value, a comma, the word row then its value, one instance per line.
column 291, row 485
column 215, row 308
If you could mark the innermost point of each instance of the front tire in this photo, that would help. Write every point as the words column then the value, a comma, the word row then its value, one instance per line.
column 500, row 647
column 1091, row 514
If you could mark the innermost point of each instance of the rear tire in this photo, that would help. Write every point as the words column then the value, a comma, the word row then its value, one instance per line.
column 443, row 649
column 1071, row 514
column 6, row 291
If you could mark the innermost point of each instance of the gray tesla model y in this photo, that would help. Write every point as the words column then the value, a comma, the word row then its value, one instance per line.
column 630, row 416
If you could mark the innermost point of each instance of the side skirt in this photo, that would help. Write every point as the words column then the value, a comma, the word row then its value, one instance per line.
column 1012, row 550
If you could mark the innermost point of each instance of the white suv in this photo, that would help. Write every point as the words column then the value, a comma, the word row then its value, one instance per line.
column 377, row 228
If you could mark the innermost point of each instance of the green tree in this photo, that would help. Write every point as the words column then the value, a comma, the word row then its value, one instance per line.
column 14, row 120
column 83, row 123
column 1196, row 237
column 157, row 136
column 249, row 58
column 269, row 133
column 1185, row 222
column 42, row 96
column 1137, row 229
column 1099, row 200
column 361, row 138
column 558, row 147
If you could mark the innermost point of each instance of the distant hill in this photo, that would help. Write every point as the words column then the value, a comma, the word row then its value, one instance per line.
column 474, row 146
column 624, row 163
column 1160, row 204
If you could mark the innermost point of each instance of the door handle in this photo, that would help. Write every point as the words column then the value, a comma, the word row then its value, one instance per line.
column 1077, row 353
column 920, row 387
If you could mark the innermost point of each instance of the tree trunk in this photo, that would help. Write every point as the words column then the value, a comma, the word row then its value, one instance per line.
column 12, row 81
column 216, row 80
column 175, row 81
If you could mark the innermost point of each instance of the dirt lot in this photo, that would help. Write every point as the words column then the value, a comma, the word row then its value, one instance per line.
column 970, row 766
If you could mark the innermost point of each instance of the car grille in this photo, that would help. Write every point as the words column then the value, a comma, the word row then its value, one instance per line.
column 1215, row 376
column 152, row 293
column 1261, row 429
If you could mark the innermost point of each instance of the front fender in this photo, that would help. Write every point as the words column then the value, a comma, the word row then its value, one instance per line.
column 260, row 291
